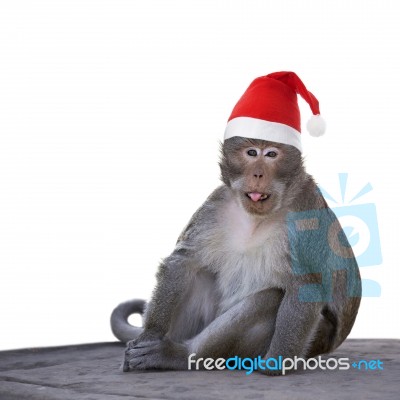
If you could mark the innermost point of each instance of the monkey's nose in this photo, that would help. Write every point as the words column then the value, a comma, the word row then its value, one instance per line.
column 258, row 176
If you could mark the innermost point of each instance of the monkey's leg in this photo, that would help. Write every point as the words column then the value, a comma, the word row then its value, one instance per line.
column 245, row 330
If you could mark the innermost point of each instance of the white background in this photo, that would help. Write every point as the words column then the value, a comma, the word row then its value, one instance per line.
column 111, row 114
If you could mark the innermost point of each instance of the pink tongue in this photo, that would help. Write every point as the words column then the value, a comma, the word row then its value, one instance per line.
column 255, row 196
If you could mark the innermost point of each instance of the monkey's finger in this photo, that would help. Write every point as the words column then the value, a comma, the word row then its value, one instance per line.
column 125, row 366
column 134, row 343
column 135, row 364
column 131, row 344
column 134, row 353
column 139, row 346
column 143, row 345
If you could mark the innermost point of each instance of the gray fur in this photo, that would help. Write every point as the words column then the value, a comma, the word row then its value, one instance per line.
column 229, row 287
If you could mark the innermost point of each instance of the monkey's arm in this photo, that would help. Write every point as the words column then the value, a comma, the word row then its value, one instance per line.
column 173, row 277
column 295, row 324
column 322, row 290
column 246, row 330
column 176, row 272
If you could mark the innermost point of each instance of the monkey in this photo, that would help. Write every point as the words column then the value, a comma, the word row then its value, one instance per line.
column 229, row 288
column 263, row 268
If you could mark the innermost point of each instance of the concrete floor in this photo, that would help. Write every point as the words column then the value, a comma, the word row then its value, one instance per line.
column 91, row 372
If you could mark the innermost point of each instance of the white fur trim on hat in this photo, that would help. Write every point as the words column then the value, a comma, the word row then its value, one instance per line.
column 254, row 128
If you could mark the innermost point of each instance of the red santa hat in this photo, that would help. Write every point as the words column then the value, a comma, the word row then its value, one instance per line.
column 268, row 110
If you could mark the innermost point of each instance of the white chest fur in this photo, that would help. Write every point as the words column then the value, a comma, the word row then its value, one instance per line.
column 247, row 253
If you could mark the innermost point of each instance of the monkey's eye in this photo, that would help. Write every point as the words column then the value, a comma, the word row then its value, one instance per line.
column 271, row 154
column 252, row 153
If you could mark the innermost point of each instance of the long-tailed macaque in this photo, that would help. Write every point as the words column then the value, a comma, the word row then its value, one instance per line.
column 262, row 269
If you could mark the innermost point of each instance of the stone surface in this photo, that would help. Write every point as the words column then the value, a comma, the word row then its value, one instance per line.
column 91, row 372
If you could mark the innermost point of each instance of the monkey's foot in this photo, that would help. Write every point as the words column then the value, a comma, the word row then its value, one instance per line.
column 271, row 372
column 158, row 354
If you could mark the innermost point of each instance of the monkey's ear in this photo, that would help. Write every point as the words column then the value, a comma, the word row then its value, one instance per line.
column 316, row 125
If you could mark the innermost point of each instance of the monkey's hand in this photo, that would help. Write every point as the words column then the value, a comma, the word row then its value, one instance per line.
column 155, row 354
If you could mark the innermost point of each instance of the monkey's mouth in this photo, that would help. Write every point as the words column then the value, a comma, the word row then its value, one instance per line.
column 256, row 196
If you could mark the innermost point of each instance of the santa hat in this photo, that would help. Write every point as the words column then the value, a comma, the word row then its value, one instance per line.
column 268, row 110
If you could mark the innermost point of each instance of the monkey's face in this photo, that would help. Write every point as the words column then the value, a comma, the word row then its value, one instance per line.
column 261, row 174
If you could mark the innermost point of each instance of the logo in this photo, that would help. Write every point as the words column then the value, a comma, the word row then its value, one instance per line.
column 281, row 364
column 323, row 241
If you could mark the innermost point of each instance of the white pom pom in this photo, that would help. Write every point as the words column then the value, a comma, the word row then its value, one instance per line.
column 316, row 125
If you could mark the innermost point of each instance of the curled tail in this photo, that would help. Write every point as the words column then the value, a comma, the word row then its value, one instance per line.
column 120, row 326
